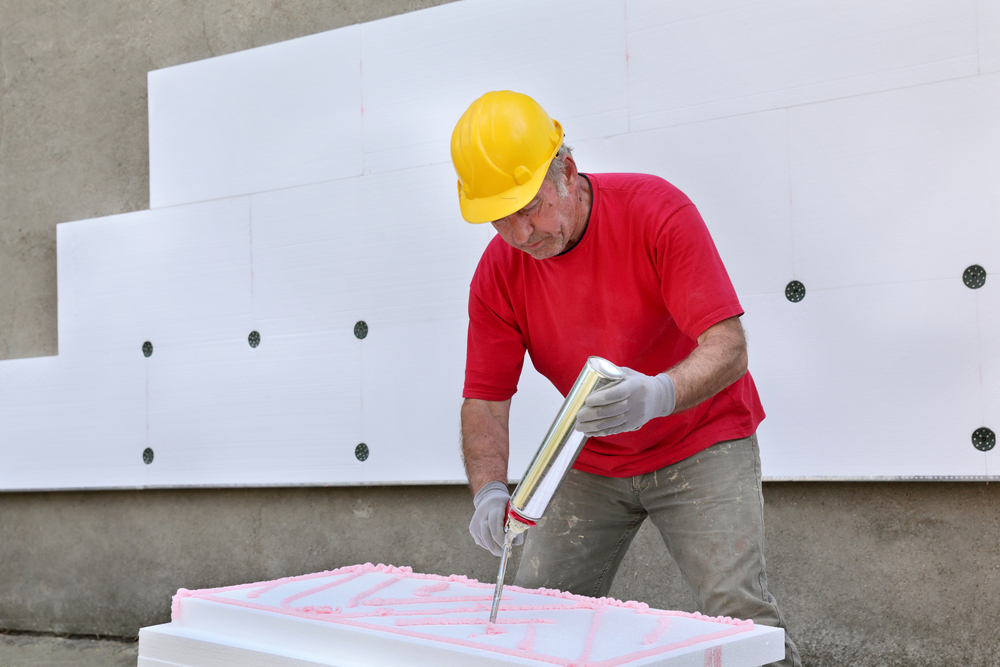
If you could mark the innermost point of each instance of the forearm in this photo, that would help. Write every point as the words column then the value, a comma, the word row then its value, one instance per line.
column 485, row 441
column 719, row 360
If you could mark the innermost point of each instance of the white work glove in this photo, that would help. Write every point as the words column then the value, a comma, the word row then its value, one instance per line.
column 628, row 405
column 488, row 521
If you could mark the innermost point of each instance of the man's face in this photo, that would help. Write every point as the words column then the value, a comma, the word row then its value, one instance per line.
column 545, row 227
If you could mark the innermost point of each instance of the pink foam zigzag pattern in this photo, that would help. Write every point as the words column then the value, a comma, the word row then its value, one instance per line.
column 541, row 625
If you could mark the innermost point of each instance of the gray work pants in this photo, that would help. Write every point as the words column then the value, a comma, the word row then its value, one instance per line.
column 709, row 510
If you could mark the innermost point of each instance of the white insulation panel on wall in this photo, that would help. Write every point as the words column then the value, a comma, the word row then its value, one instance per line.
column 385, row 247
column 266, row 118
column 302, row 276
column 73, row 423
column 897, row 186
column 171, row 277
column 878, row 381
column 255, row 372
column 524, row 45
column 988, row 307
column 727, row 57
column 285, row 412
column 988, row 20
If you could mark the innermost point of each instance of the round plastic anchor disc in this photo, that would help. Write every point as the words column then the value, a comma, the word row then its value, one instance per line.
column 795, row 291
column 974, row 277
column 984, row 439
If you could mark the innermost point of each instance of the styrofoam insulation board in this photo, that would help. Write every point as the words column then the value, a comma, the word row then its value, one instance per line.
column 194, row 280
column 988, row 319
column 72, row 423
column 868, row 382
column 896, row 186
column 380, row 615
column 571, row 55
column 296, row 112
column 261, row 119
column 386, row 246
column 988, row 38
column 288, row 411
column 174, row 276
column 728, row 57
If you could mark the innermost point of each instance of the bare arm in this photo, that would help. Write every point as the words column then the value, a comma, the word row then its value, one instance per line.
column 485, row 441
column 719, row 360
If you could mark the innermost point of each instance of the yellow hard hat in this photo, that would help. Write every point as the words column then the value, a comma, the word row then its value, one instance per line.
column 501, row 149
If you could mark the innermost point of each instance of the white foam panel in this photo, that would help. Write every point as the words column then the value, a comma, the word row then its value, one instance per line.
column 184, row 647
column 869, row 382
column 388, row 246
column 379, row 615
column 271, row 117
column 726, row 57
column 735, row 170
column 988, row 310
column 568, row 56
column 897, row 186
column 988, row 20
column 178, row 646
column 168, row 277
column 71, row 423
column 411, row 378
column 286, row 412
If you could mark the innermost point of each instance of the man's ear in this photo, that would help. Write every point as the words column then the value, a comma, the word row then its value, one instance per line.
column 571, row 173
column 571, row 166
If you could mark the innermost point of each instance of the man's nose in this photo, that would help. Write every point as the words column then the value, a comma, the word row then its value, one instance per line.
column 522, row 228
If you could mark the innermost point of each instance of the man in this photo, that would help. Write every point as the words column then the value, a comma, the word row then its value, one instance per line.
column 619, row 266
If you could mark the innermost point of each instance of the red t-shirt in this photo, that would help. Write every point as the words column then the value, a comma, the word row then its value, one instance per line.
column 640, row 286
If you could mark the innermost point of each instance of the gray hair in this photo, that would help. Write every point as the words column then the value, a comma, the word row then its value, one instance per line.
column 557, row 169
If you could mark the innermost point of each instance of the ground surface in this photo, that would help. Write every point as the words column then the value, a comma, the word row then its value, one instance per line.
column 43, row 651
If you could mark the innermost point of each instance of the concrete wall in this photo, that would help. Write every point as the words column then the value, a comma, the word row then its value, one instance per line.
column 867, row 574
column 890, row 574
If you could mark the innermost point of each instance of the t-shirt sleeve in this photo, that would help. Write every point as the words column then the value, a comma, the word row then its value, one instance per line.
column 495, row 352
column 695, row 284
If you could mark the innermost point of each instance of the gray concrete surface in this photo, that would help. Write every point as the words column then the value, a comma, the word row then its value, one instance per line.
column 867, row 574
column 43, row 651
